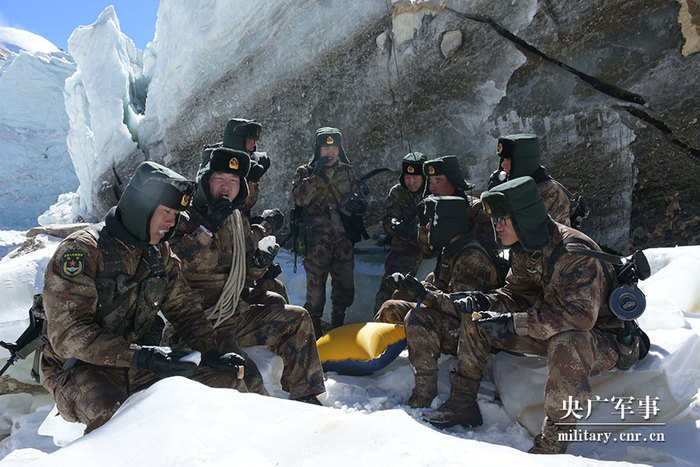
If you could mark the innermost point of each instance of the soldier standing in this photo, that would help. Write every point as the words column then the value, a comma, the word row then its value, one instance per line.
column 553, row 304
column 401, row 223
column 329, row 192
column 221, row 253
column 520, row 157
column 104, row 288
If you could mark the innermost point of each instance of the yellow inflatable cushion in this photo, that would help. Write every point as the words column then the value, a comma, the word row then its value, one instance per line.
column 361, row 348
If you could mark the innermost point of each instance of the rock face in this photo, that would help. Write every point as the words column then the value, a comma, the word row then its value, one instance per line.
column 610, row 86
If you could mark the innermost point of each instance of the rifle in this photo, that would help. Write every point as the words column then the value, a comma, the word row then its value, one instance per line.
column 32, row 339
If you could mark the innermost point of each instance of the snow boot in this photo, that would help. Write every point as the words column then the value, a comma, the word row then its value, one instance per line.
column 460, row 408
column 548, row 441
column 424, row 390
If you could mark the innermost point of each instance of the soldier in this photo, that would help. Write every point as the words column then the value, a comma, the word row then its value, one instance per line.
column 400, row 223
column 221, row 253
column 553, row 304
column 432, row 324
column 445, row 179
column 243, row 135
column 520, row 157
column 104, row 288
column 329, row 192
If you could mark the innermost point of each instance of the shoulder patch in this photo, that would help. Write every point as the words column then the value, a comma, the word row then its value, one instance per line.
column 73, row 263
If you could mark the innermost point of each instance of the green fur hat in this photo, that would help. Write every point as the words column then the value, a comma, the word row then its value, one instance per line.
column 524, row 152
column 237, row 130
column 520, row 200
column 412, row 164
column 151, row 185
column 450, row 216
column 449, row 167
column 328, row 136
column 221, row 159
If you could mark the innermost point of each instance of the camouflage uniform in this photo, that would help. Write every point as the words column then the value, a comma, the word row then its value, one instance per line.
column 405, row 255
column 328, row 248
column 262, row 318
column 565, row 319
column 463, row 265
column 560, row 311
column 96, row 348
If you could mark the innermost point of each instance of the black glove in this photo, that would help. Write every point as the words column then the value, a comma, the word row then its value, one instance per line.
column 394, row 280
column 469, row 302
column 319, row 167
column 273, row 271
column 274, row 217
column 163, row 362
column 403, row 229
column 229, row 361
column 217, row 214
column 356, row 205
column 264, row 161
column 414, row 286
column 497, row 325
column 265, row 253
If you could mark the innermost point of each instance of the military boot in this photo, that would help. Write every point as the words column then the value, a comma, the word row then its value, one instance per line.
column 548, row 441
column 461, row 407
column 424, row 391
column 337, row 318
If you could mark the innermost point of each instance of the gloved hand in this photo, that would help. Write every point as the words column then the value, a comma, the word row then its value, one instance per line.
column 471, row 301
column 414, row 287
column 163, row 362
column 273, row 271
column 229, row 361
column 319, row 167
column 394, row 280
column 355, row 204
column 497, row 325
column 264, row 161
column 274, row 217
column 265, row 253
column 217, row 214
column 404, row 230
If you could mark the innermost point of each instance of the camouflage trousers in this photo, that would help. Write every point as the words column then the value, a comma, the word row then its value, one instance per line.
column 403, row 258
column 394, row 311
column 572, row 356
column 263, row 286
column 337, row 259
column 90, row 394
column 288, row 332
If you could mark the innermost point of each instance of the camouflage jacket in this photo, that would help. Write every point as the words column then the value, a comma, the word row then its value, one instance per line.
column 322, row 198
column 207, row 258
column 71, row 301
column 401, row 204
column 547, row 299
column 556, row 201
column 462, row 265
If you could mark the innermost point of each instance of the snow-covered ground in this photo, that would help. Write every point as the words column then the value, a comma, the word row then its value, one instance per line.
column 364, row 420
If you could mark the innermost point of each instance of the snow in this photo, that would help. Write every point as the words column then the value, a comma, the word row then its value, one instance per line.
column 33, row 127
column 17, row 40
column 364, row 419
